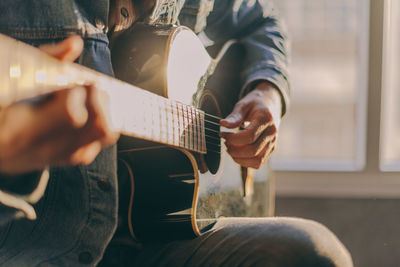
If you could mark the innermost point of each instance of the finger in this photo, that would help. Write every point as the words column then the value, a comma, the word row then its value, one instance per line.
column 258, row 125
column 71, row 140
column 49, row 119
column 237, row 116
column 255, row 162
column 67, row 110
column 253, row 150
column 99, row 117
column 272, row 150
column 66, row 50
column 85, row 155
column 70, row 148
column 97, row 124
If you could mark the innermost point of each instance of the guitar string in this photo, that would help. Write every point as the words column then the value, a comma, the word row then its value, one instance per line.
column 187, row 146
column 185, row 113
column 188, row 130
column 184, row 135
column 177, row 104
column 168, row 104
column 207, row 149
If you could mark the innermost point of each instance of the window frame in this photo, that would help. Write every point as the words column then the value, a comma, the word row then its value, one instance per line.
column 387, row 77
column 369, row 181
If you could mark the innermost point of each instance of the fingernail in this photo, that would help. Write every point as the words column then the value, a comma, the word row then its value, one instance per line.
column 230, row 119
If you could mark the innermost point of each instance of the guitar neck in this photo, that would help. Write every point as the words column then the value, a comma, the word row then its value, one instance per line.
column 139, row 113
column 26, row 72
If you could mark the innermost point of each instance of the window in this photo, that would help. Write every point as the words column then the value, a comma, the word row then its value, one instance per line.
column 390, row 119
column 325, row 128
column 370, row 167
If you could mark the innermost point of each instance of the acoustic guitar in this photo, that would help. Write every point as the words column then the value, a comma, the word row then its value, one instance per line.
column 175, row 178
column 180, row 190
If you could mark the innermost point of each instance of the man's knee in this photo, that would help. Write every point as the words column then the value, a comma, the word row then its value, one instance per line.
column 311, row 243
column 290, row 242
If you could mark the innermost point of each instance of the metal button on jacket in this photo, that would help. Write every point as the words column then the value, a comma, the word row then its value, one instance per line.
column 124, row 12
column 104, row 185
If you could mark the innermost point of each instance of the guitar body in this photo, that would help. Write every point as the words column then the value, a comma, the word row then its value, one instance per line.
column 171, row 193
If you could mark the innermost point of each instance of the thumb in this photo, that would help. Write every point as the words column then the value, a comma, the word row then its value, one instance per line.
column 66, row 50
column 237, row 116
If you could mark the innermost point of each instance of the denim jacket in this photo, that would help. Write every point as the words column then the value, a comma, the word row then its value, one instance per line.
column 77, row 215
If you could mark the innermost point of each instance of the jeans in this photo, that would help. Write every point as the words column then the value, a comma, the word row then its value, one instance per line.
column 271, row 242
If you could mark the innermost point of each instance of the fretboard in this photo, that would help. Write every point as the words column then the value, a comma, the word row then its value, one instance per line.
column 27, row 72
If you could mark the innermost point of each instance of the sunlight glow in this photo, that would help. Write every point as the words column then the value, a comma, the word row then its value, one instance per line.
column 15, row 71
column 187, row 63
column 62, row 80
column 40, row 76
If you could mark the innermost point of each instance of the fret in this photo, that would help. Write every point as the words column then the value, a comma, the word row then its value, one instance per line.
column 195, row 130
column 149, row 131
column 175, row 124
column 174, row 121
column 184, row 121
column 159, row 125
column 192, row 124
column 198, row 131
column 164, row 123
column 151, row 114
column 192, row 129
column 203, row 139
column 178, row 123
column 166, row 120
column 202, row 131
column 188, row 129
column 170, row 119
column 185, row 126
column 161, row 122
column 155, row 119
column 181, row 126
column 168, row 115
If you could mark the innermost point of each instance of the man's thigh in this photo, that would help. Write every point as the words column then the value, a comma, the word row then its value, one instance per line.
column 250, row 242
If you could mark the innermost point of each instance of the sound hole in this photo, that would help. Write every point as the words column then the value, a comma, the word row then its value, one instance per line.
column 213, row 142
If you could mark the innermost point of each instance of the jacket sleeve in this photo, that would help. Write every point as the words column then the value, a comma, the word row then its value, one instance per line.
column 19, row 192
column 255, row 24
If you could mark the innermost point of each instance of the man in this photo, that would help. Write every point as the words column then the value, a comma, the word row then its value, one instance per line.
column 77, row 217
